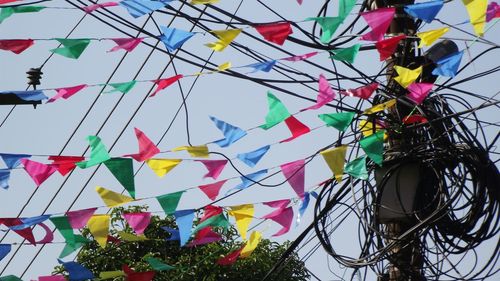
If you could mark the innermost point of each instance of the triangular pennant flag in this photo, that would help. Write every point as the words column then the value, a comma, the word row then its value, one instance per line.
column 147, row 148
column 39, row 172
column 16, row 46
column 127, row 44
column 296, row 127
column 13, row 160
column 364, row 92
column 252, row 243
column 335, row 158
column 357, row 168
column 380, row 107
column 280, row 204
column 4, row 250
column 76, row 271
column 328, row 27
column 212, row 190
column 4, row 178
column 275, row 32
column 170, row 201
column 231, row 257
column 407, row 76
column 158, row 265
column 294, row 173
column 253, row 157
column 231, row 133
column 325, row 94
column 426, row 11
column 345, row 7
column 493, row 11
column 243, row 214
column 214, row 167
column 138, row 8
column 265, row 66
column 70, row 248
column 250, row 179
column 477, row 14
column 174, row 233
column 346, row 54
column 72, row 48
column 225, row 38
column 111, row 198
column 417, row 92
column 162, row 166
column 164, row 83
column 339, row 121
column 210, row 211
column 277, row 112
column 35, row 95
column 90, row 8
column 51, row 278
column 388, row 46
column 138, row 276
column 29, row 222
column 414, row 118
column 123, row 170
column 205, row 236
column 129, row 237
column 373, row 146
column 367, row 129
column 98, row 153
column 203, row 2
column 379, row 20
column 66, row 93
column 200, row 151
column 9, row 11
column 138, row 221
column 11, row 278
column 26, row 233
column 303, row 206
column 123, row 88
column 173, row 38
column 215, row 221
column 99, row 227
column 300, row 57
column 64, row 227
column 429, row 37
column 448, row 66
column 282, row 216
column 184, row 221
column 78, row 219
column 65, row 164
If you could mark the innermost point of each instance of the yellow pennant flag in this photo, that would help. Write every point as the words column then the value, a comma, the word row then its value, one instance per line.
column 200, row 151
column 252, row 243
column 428, row 37
column 406, row 75
column 162, row 166
column 224, row 66
column 111, row 274
column 99, row 227
column 225, row 38
column 366, row 128
column 380, row 107
column 125, row 236
column 111, row 198
column 477, row 14
column 243, row 215
column 198, row 2
column 335, row 158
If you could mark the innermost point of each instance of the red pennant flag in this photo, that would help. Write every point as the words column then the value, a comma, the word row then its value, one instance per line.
column 364, row 92
column 210, row 211
column 66, row 93
column 296, row 127
column 275, row 32
column 26, row 233
column 39, row 172
column 7, row 1
column 231, row 257
column 163, row 83
column 388, row 46
column 16, row 46
column 138, row 276
column 415, row 118
column 147, row 149
column 214, row 167
column 212, row 190
column 65, row 164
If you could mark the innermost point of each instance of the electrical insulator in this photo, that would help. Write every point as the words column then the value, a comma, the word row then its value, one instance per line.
column 34, row 76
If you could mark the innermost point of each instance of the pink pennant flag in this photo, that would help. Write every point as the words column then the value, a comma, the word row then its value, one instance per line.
column 280, row 204
column 419, row 91
column 300, row 2
column 296, row 127
column 212, row 190
column 127, row 44
column 294, row 172
column 379, row 20
column 78, row 219
column 163, row 83
column 204, row 236
column 66, row 93
column 325, row 94
column 49, row 235
column 364, row 92
column 214, row 167
column 210, row 211
column 282, row 216
column 90, row 8
column 39, row 172
column 300, row 57
column 231, row 257
column 65, row 164
column 138, row 221
column 388, row 46
column 147, row 149
column 52, row 278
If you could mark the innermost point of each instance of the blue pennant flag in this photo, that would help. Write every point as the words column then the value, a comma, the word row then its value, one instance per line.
column 303, row 206
column 184, row 221
column 251, row 158
column 35, row 95
column 76, row 271
column 262, row 66
column 448, row 66
column 173, row 38
column 314, row 194
column 29, row 222
column 174, row 233
column 426, row 11
column 4, row 178
column 249, row 179
column 231, row 133
column 4, row 250
column 13, row 160
column 138, row 8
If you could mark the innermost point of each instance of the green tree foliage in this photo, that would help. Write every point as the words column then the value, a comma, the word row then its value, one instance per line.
column 191, row 263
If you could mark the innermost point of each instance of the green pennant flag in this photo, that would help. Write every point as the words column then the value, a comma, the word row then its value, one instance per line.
column 9, row 11
column 98, row 153
column 124, row 87
column 339, row 121
column 328, row 27
column 123, row 170
column 357, row 168
column 345, row 8
column 70, row 248
column 169, row 201
column 216, row 221
column 72, row 48
column 277, row 112
column 62, row 224
column 346, row 54
column 373, row 146
column 10, row 278
column 158, row 265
